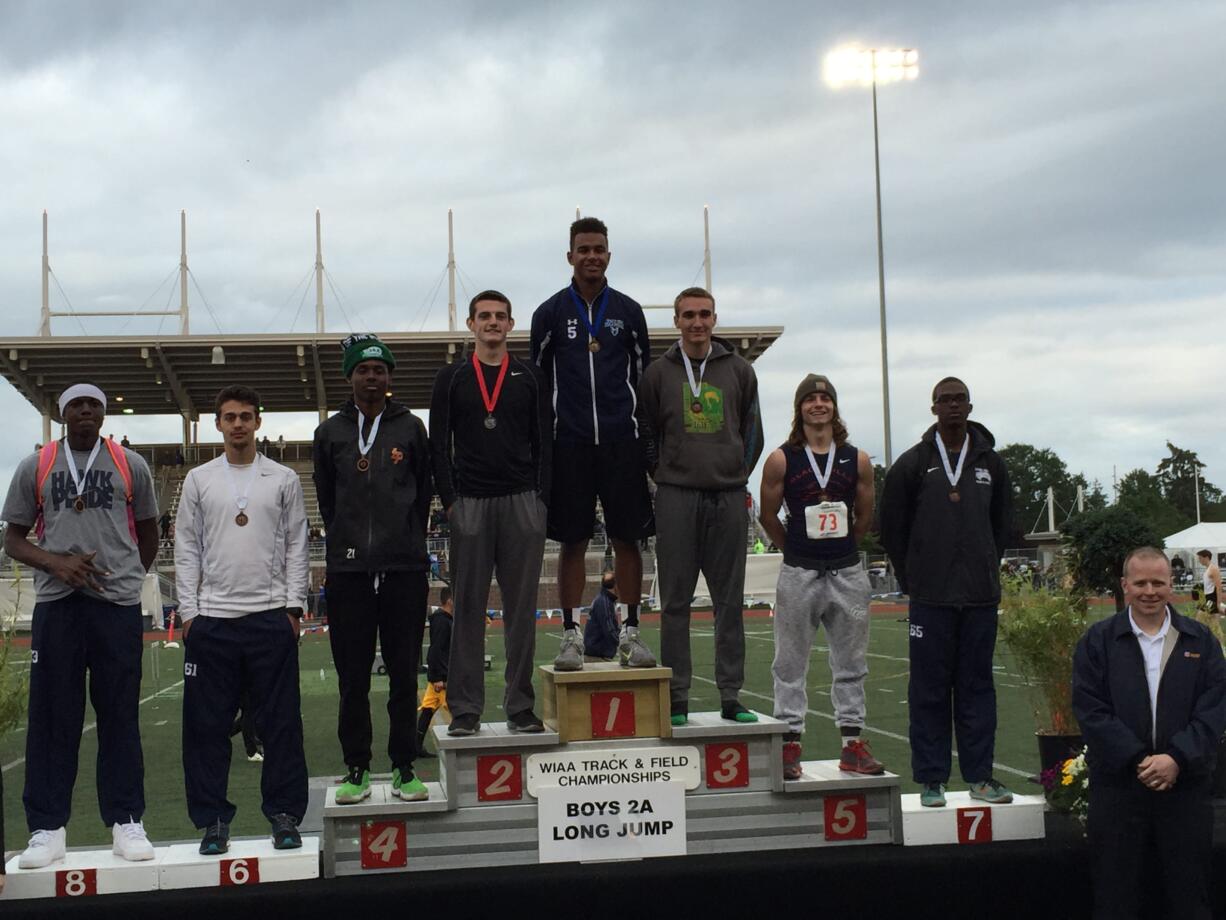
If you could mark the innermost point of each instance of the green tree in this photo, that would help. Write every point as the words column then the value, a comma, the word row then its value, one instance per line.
column 1141, row 493
column 1176, row 476
column 1098, row 542
column 1032, row 470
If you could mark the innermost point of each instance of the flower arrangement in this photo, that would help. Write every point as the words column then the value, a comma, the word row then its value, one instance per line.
column 1067, row 786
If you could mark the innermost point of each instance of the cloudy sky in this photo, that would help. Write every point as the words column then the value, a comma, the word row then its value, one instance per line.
column 1055, row 217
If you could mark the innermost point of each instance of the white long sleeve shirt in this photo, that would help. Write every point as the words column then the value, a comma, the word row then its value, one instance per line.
column 224, row 570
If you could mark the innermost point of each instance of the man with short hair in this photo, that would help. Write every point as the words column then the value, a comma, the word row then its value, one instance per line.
column 372, row 475
column 600, row 633
column 1212, row 583
column 827, row 487
column 698, row 411
column 241, row 569
column 90, row 501
column 1149, row 690
column 591, row 342
column 945, row 512
column 490, row 426
column 435, row 697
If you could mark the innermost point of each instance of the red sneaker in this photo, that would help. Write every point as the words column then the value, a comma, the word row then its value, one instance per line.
column 791, row 760
column 857, row 758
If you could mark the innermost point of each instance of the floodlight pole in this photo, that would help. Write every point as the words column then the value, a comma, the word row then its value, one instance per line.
column 319, row 275
column 450, row 272
column 44, row 326
column 706, row 244
column 183, row 319
column 885, row 360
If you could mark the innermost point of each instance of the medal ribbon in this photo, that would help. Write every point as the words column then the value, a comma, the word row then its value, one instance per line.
column 581, row 307
column 953, row 475
column 822, row 478
column 696, row 385
column 241, row 501
column 491, row 401
column 78, row 482
column 364, row 444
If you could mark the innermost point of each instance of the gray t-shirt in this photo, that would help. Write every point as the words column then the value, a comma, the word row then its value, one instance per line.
column 102, row 527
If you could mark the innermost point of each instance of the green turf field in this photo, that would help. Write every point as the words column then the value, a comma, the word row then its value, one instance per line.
column 166, row 815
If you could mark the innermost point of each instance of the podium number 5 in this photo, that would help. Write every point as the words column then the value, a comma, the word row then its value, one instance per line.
column 846, row 817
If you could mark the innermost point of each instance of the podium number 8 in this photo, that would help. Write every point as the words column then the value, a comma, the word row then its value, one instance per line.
column 74, row 883
column 502, row 770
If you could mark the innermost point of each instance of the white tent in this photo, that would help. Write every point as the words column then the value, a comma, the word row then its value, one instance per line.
column 1187, row 543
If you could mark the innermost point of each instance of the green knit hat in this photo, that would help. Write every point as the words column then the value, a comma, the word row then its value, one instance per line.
column 365, row 346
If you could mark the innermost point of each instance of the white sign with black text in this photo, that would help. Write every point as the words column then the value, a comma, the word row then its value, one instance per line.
column 586, row 823
column 616, row 767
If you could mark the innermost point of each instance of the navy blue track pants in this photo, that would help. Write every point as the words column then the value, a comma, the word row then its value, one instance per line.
column 72, row 635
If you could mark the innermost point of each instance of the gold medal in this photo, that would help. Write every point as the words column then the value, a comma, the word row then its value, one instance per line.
column 363, row 464
column 241, row 519
column 78, row 505
column 593, row 346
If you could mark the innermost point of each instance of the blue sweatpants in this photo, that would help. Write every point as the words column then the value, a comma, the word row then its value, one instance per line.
column 72, row 635
column 951, row 663
column 225, row 656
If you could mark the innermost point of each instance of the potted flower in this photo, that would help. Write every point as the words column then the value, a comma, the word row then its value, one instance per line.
column 1066, row 786
column 1041, row 627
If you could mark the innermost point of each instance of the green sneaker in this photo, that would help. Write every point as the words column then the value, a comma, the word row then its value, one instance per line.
column 678, row 718
column 933, row 795
column 411, row 789
column 355, row 787
column 992, row 792
column 735, row 712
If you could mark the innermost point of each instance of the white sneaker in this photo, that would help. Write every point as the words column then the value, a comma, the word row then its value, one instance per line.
column 45, row 848
column 257, row 757
column 130, row 842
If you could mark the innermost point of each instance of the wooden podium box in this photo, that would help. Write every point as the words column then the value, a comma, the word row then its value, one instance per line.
column 605, row 700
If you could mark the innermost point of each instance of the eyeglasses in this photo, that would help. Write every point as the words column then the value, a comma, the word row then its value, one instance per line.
column 947, row 399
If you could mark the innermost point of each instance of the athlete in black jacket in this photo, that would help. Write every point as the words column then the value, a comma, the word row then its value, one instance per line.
column 944, row 513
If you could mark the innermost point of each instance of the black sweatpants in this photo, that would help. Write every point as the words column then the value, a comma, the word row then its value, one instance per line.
column 225, row 656
column 395, row 615
column 71, row 635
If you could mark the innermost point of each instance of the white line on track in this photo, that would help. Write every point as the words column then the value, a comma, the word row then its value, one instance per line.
column 92, row 725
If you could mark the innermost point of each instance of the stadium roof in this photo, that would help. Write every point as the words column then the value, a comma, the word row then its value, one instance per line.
column 174, row 375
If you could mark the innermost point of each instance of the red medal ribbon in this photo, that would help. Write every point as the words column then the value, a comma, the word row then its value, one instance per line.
column 491, row 401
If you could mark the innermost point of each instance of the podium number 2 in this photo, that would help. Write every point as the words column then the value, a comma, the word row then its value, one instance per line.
column 846, row 817
column 613, row 714
column 727, row 765
column 240, row 871
column 76, row 883
column 499, row 778
column 974, row 825
column 383, row 845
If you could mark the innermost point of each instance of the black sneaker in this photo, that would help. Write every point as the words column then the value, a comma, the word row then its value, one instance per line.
column 216, row 839
column 422, row 752
column 525, row 721
column 464, row 725
column 285, row 834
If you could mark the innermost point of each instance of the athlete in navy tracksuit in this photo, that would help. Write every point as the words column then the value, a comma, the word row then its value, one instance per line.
column 944, row 513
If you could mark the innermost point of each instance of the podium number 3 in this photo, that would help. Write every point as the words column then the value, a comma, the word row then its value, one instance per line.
column 727, row 765
column 846, row 817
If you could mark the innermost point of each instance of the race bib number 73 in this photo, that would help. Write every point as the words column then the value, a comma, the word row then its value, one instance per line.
column 826, row 520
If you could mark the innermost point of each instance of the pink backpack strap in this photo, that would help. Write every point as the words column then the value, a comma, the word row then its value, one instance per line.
column 46, row 459
column 120, row 459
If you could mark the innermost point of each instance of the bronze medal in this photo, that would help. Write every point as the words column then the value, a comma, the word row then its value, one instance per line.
column 490, row 422
column 954, row 496
column 79, row 504
column 241, row 519
column 822, row 497
column 696, row 407
column 593, row 346
column 363, row 464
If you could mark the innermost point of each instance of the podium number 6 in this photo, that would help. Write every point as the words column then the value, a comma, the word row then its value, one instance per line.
column 240, row 871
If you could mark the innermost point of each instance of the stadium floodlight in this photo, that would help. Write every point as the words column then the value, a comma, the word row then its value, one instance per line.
column 852, row 65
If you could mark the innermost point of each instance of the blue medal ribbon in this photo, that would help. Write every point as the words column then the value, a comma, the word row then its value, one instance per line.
column 600, row 310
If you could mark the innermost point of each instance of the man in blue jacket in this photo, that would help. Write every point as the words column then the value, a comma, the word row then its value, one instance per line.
column 601, row 631
column 944, row 514
column 591, row 343
column 1149, row 689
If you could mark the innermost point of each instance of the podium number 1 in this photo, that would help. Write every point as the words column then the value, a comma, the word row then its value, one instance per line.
column 76, row 883
column 613, row 714
column 846, row 817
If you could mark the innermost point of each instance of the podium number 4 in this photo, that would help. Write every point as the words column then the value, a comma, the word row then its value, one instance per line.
column 76, row 883
column 727, row 765
column 613, row 714
column 240, row 871
column 383, row 845
column 974, row 825
column 846, row 817
column 499, row 778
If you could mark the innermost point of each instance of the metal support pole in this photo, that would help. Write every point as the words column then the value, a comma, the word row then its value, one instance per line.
column 1196, row 488
column 450, row 273
column 44, row 326
column 885, row 360
column 184, row 325
column 706, row 245
column 1051, row 510
column 319, row 275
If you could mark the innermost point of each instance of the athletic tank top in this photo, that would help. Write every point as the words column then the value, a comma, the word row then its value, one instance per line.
column 800, row 490
column 1210, row 587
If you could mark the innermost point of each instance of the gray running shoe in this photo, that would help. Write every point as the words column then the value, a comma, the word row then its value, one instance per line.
column 570, row 655
column 631, row 651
